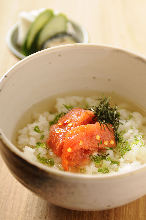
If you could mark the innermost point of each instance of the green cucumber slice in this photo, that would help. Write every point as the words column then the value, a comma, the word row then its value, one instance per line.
column 37, row 25
column 58, row 24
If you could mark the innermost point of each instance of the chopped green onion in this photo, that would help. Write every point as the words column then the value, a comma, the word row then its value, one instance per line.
column 115, row 162
column 123, row 146
column 103, row 170
column 37, row 129
column 68, row 107
column 138, row 140
column 108, row 148
column 97, row 158
column 86, row 106
column 46, row 161
column 42, row 137
column 56, row 118
column 112, row 161
column 39, row 144
column 130, row 116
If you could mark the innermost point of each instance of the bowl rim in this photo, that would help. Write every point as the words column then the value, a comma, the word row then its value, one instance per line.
column 20, row 55
column 50, row 170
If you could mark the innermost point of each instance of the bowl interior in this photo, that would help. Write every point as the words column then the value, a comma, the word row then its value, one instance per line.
column 69, row 68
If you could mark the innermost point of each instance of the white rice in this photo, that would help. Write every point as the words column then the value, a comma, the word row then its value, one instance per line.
column 133, row 128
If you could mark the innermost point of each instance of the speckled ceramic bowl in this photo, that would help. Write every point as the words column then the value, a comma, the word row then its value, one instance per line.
column 58, row 70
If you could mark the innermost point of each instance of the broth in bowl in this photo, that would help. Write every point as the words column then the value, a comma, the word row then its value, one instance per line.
column 86, row 134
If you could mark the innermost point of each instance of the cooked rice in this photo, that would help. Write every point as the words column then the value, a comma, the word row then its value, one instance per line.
column 132, row 127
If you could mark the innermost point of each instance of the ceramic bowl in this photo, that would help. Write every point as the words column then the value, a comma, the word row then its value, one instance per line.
column 58, row 70
column 79, row 32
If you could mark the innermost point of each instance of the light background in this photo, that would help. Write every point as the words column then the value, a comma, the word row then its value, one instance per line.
column 121, row 23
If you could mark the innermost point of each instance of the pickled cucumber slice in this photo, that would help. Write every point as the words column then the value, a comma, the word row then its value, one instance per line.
column 42, row 19
column 58, row 24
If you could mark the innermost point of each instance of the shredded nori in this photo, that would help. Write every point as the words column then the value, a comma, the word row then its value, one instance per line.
column 106, row 114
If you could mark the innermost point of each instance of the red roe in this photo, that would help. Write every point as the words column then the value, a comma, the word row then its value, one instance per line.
column 76, row 136
column 82, row 141
column 73, row 118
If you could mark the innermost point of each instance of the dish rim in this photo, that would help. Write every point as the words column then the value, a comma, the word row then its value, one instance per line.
column 20, row 55
column 50, row 170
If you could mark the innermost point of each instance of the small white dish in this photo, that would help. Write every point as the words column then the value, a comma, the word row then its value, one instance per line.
column 79, row 31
